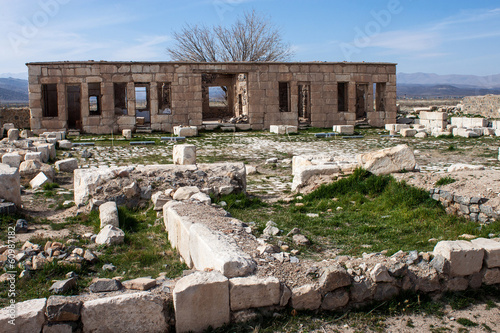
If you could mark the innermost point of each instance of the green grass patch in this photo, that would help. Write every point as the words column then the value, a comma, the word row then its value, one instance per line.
column 361, row 212
column 445, row 181
column 466, row 322
column 50, row 186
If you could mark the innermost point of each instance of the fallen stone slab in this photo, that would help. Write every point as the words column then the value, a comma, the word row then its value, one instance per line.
column 13, row 134
column 63, row 286
column 108, row 214
column 67, row 165
column 39, row 180
column 105, row 285
column 335, row 300
column 10, row 184
column 464, row 257
column 388, row 160
column 65, row 144
column 253, row 292
column 28, row 316
column 201, row 300
column 7, row 208
column 128, row 313
column 127, row 134
column 110, row 235
column 139, row 283
column 63, row 308
column 464, row 167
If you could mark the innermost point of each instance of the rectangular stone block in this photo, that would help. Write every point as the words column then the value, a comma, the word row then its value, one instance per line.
column 491, row 251
column 184, row 154
column 10, row 184
column 185, row 131
column 201, row 300
column 464, row 257
column 282, row 129
column 408, row 132
column 253, row 292
column 12, row 159
column 344, row 129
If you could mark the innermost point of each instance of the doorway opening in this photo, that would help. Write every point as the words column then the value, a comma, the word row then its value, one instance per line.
column 142, row 108
column 361, row 101
column 73, row 99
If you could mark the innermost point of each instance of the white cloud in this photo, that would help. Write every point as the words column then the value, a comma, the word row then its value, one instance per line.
column 144, row 48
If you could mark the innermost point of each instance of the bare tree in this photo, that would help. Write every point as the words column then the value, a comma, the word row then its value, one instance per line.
column 251, row 38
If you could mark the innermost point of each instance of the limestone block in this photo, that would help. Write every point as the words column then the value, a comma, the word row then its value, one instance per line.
column 491, row 276
column 464, row 167
column 10, row 186
column 429, row 115
column 335, row 300
column 45, row 151
column 29, row 316
column 62, row 308
column 282, row 129
column 408, row 132
column 202, row 197
column 127, row 134
column 108, row 214
column 464, row 257
column 178, row 229
column 457, row 121
column 36, row 156
column 39, row 180
column 253, row 292
column 128, row 313
column 388, row 160
column 185, row 192
column 211, row 249
column 344, row 129
column 184, row 154
column 26, row 134
column 30, row 168
column 12, row 159
column 306, row 298
column 491, row 251
column 302, row 175
column 67, row 165
column 185, row 131
column 139, row 283
column 201, row 300
column 379, row 273
column 110, row 235
column 60, row 135
column 396, row 127
column 421, row 135
column 13, row 134
column 333, row 277
column 65, row 144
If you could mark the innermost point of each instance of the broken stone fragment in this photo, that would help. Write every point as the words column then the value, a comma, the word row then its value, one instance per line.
column 110, row 235
column 63, row 286
column 39, row 180
column 21, row 226
column 306, row 298
column 105, row 285
column 184, row 193
column 66, row 165
column 139, row 283
column 301, row 240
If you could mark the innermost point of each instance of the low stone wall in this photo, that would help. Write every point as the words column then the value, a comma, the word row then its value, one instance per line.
column 20, row 117
column 211, row 298
column 487, row 106
column 473, row 208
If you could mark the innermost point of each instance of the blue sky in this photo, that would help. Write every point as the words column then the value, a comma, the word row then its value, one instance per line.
column 443, row 37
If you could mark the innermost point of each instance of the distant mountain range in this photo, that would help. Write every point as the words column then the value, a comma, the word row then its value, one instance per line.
column 426, row 85
column 13, row 90
column 414, row 85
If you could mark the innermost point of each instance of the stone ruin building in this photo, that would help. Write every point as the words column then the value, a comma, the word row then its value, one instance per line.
column 101, row 97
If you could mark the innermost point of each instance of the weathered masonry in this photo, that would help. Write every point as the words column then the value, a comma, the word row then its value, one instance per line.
column 104, row 97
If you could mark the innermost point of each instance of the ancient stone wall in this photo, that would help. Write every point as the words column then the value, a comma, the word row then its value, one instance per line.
column 186, row 97
column 20, row 117
column 487, row 106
